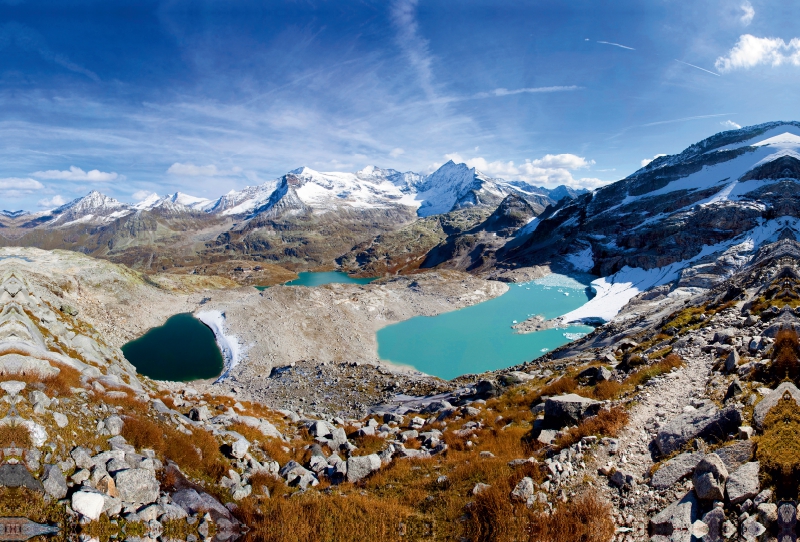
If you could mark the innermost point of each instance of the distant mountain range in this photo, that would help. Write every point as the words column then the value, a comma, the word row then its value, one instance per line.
column 305, row 219
column 452, row 186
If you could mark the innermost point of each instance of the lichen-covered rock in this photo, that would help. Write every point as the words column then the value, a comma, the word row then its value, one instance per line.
column 709, row 478
column 676, row 519
column 705, row 422
column 359, row 468
column 743, row 483
column 764, row 406
column 568, row 409
column 137, row 486
column 677, row 468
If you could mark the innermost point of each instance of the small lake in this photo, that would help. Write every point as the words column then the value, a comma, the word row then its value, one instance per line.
column 479, row 338
column 310, row 278
column 182, row 349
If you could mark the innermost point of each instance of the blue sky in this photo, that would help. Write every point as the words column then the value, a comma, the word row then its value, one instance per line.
column 208, row 96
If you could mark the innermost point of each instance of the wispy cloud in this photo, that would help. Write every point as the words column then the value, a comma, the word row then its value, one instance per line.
column 747, row 13
column 751, row 51
column 730, row 125
column 617, row 45
column 684, row 119
column 191, row 170
column 414, row 46
column 698, row 67
column 28, row 39
column 77, row 174
column 528, row 90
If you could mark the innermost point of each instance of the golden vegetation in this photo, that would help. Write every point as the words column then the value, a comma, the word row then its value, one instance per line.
column 779, row 448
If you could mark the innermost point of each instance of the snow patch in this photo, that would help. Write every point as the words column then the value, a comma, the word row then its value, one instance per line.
column 615, row 291
column 232, row 351
column 583, row 260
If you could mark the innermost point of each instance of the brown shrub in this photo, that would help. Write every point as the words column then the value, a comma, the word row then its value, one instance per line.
column 311, row 518
column 606, row 423
column 562, row 385
column 608, row 389
column 198, row 453
column 779, row 449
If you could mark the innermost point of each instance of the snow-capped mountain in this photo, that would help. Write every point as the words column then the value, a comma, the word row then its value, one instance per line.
column 93, row 208
column 684, row 220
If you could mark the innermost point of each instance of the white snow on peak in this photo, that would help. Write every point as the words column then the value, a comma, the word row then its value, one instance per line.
column 148, row 203
column 193, row 202
column 785, row 140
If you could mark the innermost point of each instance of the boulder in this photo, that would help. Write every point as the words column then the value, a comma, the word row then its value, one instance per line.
column 734, row 390
column 568, row 409
column 676, row 519
column 82, row 457
column 60, row 419
column 771, row 399
column 707, row 422
column 239, row 448
column 199, row 414
column 709, row 478
column 54, row 482
column 737, row 454
column 361, row 467
column 137, row 486
column 194, row 502
column 592, row 375
column 524, row 490
column 88, row 504
column 724, row 336
column 732, row 361
column 113, row 425
column 743, row 483
column 674, row 470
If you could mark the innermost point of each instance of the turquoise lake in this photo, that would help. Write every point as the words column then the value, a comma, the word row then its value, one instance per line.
column 480, row 338
column 183, row 349
column 309, row 278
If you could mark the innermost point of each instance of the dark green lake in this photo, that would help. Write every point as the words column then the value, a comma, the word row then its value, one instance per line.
column 308, row 278
column 182, row 349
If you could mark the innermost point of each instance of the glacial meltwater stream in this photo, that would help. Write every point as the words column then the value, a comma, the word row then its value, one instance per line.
column 480, row 338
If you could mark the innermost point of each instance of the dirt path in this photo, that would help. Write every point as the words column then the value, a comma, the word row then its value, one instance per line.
column 661, row 400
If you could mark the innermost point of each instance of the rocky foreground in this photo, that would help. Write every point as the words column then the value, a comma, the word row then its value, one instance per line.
column 679, row 426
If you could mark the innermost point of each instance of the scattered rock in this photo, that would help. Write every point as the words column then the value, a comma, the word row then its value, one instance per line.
column 88, row 504
column 568, row 409
column 743, row 483
column 675, row 469
column 709, row 478
column 705, row 422
column 359, row 468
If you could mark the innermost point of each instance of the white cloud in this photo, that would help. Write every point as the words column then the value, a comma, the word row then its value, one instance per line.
column 413, row 45
column 20, row 183
column 551, row 170
column 140, row 195
column 191, row 170
column 648, row 160
column 751, row 51
column 747, row 13
column 55, row 201
column 730, row 125
column 77, row 174
column 397, row 152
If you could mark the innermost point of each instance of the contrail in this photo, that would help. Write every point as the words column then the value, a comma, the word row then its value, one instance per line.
column 616, row 45
column 698, row 67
